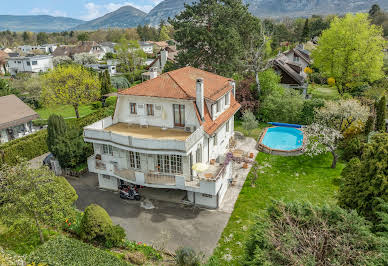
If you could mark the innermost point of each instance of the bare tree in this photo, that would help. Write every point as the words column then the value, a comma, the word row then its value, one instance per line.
column 258, row 52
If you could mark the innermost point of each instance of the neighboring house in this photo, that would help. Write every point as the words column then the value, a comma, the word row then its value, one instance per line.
column 28, row 48
column 30, row 64
column 108, row 47
column 148, row 47
column 15, row 118
column 3, row 62
column 48, row 48
column 159, row 45
column 102, row 67
column 165, row 55
column 83, row 47
column 7, row 50
column 290, row 65
column 161, row 128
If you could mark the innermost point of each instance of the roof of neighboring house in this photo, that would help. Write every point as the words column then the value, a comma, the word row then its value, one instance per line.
column 289, row 70
column 108, row 44
column 13, row 54
column 141, row 43
column 301, row 53
column 14, row 111
column 181, row 84
column 3, row 55
column 68, row 50
column 161, row 44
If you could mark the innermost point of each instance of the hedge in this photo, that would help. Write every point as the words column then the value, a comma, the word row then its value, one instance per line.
column 34, row 145
column 69, row 251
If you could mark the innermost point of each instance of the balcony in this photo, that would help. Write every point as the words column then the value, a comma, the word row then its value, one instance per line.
column 160, row 179
column 136, row 136
column 128, row 174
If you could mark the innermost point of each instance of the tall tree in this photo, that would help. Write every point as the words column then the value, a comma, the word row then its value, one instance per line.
column 33, row 198
column 374, row 10
column 56, row 127
column 380, row 114
column 212, row 35
column 163, row 35
column 26, row 36
column 70, row 84
column 42, row 38
column 130, row 55
column 351, row 51
column 106, row 84
column 306, row 31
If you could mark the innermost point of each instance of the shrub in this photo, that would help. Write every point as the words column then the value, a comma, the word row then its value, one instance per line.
column 249, row 121
column 365, row 179
column 307, row 115
column 114, row 236
column 72, row 224
column 147, row 250
column 120, row 82
column 67, row 251
column 352, row 147
column 111, row 101
column 188, row 257
column 56, row 127
column 303, row 234
column 97, row 105
column 95, row 223
column 369, row 125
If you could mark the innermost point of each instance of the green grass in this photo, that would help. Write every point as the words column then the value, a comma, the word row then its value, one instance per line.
column 66, row 111
column 254, row 133
column 299, row 178
column 324, row 92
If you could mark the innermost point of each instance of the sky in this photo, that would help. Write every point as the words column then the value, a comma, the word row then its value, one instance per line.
column 81, row 9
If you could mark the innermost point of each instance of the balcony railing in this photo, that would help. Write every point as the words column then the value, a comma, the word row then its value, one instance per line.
column 125, row 173
column 160, row 179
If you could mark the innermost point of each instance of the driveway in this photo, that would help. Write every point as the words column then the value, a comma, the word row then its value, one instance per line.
column 164, row 224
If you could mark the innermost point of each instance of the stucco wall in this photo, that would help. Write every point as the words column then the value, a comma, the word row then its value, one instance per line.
column 105, row 183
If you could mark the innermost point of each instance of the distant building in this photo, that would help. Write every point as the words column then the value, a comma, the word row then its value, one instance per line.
column 148, row 47
column 3, row 62
column 84, row 47
column 30, row 64
column 102, row 67
column 15, row 118
column 108, row 47
column 48, row 48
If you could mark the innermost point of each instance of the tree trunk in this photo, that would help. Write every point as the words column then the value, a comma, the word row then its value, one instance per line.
column 334, row 163
column 76, row 110
column 258, row 83
column 39, row 229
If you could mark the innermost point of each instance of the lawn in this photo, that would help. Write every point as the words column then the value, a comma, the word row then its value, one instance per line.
column 67, row 111
column 325, row 92
column 298, row 178
column 255, row 133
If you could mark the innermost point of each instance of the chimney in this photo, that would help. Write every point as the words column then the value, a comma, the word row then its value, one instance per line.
column 200, row 98
column 163, row 57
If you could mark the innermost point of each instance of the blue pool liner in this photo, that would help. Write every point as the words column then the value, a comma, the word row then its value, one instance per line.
column 285, row 125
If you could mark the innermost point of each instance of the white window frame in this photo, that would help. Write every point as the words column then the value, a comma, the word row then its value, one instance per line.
column 215, row 141
column 227, row 99
column 134, row 160
column 218, row 107
column 107, row 149
column 170, row 164
column 227, row 126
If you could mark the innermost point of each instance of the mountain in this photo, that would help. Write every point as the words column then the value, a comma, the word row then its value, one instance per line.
column 272, row 8
column 37, row 23
column 124, row 17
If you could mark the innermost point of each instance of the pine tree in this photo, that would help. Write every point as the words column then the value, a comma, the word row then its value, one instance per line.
column 56, row 127
column 106, row 84
column 369, row 125
column 306, row 31
column 380, row 114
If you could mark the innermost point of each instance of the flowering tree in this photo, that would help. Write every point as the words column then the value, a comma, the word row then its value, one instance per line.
column 58, row 60
column 321, row 139
column 342, row 114
column 85, row 58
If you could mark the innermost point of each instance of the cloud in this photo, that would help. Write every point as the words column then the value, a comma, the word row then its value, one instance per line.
column 45, row 11
column 95, row 10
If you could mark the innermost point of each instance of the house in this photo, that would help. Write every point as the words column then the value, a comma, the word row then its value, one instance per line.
column 159, row 45
column 108, row 47
column 15, row 118
column 292, row 75
column 148, row 47
column 83, row 47
column 28, row 48
column 7, row 50
column 3, row 62
column 48, row 48
column 163, row 127
column 102, row 67
column 30, row 64
column 299, row 56
column 157, row 65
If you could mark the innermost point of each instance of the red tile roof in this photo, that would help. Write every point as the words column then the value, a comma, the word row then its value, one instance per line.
column 181, row 84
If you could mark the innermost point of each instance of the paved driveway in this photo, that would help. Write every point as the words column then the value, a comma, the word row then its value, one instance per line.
column 167, row 225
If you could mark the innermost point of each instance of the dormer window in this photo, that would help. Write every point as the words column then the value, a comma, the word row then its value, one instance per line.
column 218, row 106
column 227, row 98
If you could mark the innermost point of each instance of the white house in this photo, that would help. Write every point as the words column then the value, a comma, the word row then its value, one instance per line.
column 30, row 64
column 147, row 47
column 102, row 67
column 28, row 48
column 161, row 128
column 48, row 48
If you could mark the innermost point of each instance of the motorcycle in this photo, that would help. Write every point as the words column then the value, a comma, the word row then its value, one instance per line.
column 129, row 192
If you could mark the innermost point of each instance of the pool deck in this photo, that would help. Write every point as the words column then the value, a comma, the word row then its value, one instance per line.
column 269, row 150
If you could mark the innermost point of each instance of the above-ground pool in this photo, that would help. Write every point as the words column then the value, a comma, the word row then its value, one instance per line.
column 282, row 139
